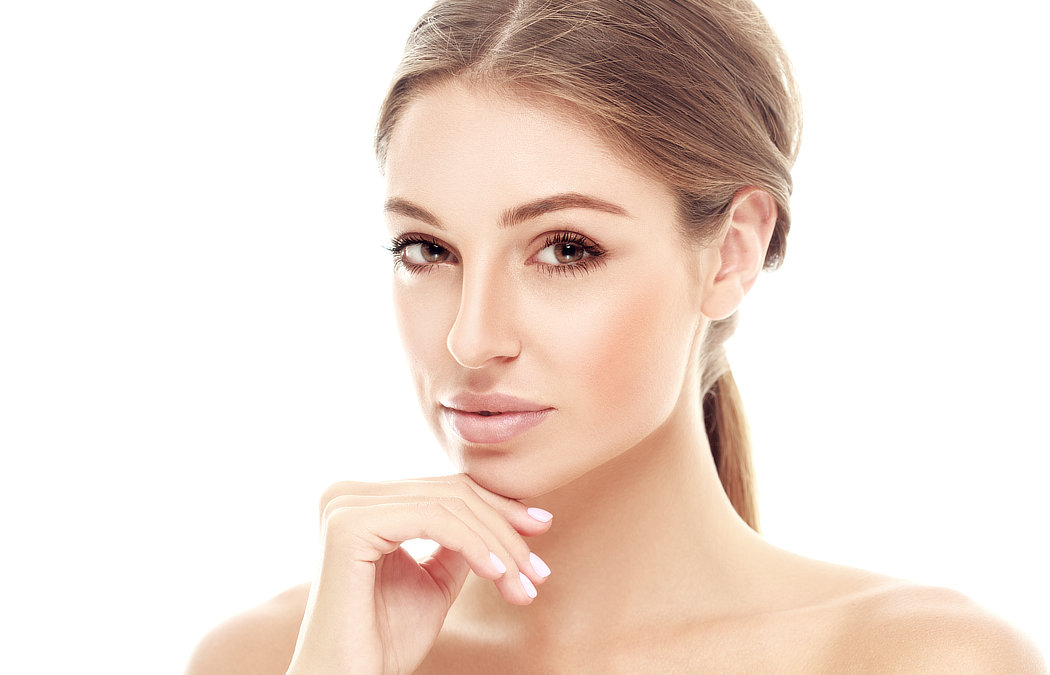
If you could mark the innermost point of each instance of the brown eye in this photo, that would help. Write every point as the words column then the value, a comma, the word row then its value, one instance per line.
column 425, row 253
column 568, row 253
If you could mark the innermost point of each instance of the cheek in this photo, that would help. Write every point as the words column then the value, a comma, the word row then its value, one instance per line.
column 424, row 313
column 625, row 350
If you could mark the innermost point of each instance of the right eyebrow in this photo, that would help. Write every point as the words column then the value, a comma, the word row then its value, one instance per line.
column 410, row 210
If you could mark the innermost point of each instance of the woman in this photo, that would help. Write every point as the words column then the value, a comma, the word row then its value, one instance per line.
column 579, row 195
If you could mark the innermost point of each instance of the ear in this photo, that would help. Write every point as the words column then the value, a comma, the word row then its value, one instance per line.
column 739, row 255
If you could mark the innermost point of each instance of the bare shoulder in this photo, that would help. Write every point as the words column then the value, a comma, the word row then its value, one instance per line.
column 908, row 628
column 258, row 641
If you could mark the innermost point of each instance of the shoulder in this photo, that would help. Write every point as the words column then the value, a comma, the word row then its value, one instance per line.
column 259, row 641
column 911, row 628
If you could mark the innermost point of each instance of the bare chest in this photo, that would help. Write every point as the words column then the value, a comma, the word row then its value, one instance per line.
column 771, row 644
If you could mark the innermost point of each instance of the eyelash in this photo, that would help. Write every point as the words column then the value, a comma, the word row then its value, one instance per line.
column 588, row 264
column 592, row 261
column 400, row 243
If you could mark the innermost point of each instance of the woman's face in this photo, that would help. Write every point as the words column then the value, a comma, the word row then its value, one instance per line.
column 548, row 304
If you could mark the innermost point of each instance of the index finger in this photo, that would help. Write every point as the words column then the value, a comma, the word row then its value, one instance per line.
column 529, row 521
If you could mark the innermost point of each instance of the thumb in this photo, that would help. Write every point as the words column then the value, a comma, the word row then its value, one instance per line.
column 448, row 569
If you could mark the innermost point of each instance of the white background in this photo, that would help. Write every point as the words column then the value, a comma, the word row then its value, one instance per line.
column 196, row 336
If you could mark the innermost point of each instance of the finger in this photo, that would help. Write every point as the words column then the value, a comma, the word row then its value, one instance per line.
column 499, row 536
column 367, row 533
column 527, row 521
column 448, row 569
column 530, row 521
column 507, row 564
column 444, row 567
column 515, row 584
column 451, row 521
column 495, row 510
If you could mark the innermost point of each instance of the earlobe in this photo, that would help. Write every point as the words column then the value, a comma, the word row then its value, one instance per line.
column 741, row 251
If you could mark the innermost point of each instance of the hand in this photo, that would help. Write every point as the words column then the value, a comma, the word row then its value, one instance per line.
column 372, row 607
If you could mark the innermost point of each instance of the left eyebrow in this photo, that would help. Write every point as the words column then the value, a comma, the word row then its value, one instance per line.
column 518, row 214
column 560, row 202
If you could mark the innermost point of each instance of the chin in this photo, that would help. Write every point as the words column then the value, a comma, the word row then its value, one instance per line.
column 514, row 477
column 507, row 481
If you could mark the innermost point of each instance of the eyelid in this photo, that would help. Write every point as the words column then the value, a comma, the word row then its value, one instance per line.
column 593, row 260
column 570, row 237
column 400, row 242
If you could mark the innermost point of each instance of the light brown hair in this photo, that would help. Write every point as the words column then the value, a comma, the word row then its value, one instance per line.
column 698, row 93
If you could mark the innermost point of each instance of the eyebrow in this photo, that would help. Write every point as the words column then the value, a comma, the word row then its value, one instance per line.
column 518, row 214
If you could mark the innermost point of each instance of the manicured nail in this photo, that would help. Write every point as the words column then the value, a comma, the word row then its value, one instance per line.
column 530, row 590
column 497, row 563
column 540, row 566
column 540, row 514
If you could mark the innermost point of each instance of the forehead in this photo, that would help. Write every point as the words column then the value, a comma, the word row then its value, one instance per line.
column 459, row 146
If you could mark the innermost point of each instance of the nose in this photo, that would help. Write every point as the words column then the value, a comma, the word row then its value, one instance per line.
column 485, row 329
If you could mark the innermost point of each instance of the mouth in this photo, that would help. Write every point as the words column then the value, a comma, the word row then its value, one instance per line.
column 492, row 418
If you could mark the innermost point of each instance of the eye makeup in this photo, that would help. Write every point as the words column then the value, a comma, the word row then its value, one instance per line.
column 419, row 253
column 568, row 254
column 563, row 253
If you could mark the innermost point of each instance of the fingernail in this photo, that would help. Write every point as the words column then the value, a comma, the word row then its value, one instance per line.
column 540, row 514
column 530, row 590
column 497, row 563
column 540, row 566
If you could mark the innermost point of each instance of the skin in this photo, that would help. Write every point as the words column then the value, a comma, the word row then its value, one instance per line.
column 652, row 570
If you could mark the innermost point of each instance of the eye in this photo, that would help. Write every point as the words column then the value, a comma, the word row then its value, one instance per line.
column 424, row 253
column 568, row 252
column 419, row 253
column 562, row 253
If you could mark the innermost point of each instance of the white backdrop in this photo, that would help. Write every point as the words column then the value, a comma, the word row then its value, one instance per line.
column 196, row 340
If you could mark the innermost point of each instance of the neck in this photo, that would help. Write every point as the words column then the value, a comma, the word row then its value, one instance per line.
column 643, row 536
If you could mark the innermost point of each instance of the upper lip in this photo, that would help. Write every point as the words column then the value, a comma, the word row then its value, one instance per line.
column 494, row 403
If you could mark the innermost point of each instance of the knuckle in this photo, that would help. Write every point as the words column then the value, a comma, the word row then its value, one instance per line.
column 346, row 534
column 340, row 520
column 332, row 506
column 336, row 490
column 429, row 509
column 439, row 507
column 453, row 504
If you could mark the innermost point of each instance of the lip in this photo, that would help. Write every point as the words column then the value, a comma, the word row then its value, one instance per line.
column 505, row 417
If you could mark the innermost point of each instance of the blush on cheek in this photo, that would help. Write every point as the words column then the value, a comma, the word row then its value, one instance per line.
column 627, row 352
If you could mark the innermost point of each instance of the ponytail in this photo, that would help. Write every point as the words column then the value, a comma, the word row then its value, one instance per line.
column 727, row 430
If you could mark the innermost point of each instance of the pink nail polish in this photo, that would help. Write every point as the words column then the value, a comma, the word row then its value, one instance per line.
column 497, row 563
column 540, row 566
column 540, row 514
column 530, row 590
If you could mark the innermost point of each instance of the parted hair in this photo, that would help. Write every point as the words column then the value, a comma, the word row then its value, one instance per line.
column 697, row 93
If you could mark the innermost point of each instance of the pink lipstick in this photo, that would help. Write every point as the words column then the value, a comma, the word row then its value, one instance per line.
column 491, row 418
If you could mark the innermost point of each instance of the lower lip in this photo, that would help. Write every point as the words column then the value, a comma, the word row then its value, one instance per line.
column 474, row 428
